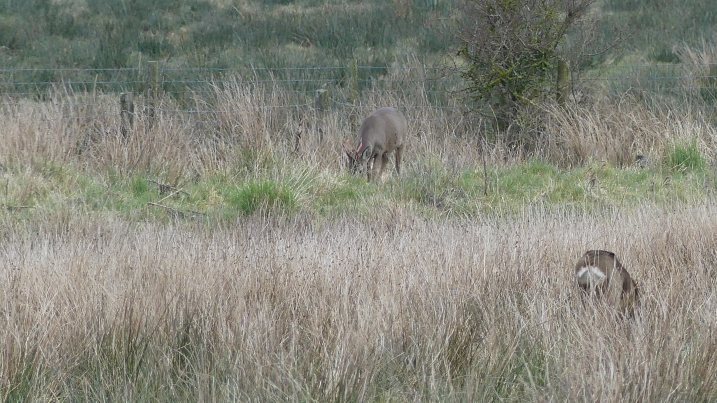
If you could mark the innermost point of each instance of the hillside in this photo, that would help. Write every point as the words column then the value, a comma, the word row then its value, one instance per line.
column 230, row 34
column 216, row 34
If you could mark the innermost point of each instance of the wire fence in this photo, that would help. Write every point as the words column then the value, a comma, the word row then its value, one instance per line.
column 204, row 95
column 176, row 82
column 194, row 91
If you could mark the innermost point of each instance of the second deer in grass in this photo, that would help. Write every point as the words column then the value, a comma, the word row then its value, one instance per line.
column 380, row 134
column 599, row 272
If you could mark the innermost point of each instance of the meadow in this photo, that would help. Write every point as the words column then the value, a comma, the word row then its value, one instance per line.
column 216, row 248
column 222, row 260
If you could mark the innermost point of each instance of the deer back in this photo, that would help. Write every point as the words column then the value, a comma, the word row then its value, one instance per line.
column 383, row 131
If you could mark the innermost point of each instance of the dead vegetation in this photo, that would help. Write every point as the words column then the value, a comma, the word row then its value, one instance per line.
column 394, row 308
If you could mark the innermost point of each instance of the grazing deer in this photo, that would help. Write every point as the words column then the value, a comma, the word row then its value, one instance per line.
column 599, row 272
column 380, row 134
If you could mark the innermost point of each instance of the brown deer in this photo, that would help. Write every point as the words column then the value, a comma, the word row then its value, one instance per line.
column 599, row 272
column 380, row 134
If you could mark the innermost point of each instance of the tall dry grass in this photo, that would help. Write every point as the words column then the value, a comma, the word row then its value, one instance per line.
column 243, row 124
column 398, row 308
column 235, row 124
column 617, row 130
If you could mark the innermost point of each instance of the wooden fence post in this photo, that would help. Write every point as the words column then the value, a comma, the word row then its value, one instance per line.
column 562, row 90
column 154, row 78
column 153, row 91
column 709, row 90
column 321, row 101
column 126, row 114
column 352, row 79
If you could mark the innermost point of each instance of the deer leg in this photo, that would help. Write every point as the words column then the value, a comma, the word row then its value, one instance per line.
column 399, row 150
column 384, row 162
column 371, row 168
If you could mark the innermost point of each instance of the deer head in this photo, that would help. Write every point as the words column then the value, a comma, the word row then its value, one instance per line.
column 353, row 156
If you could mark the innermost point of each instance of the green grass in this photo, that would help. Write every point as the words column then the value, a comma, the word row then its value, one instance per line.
column 685, row 158
column 430, row 190
column 267, row 40
column 656, row 27
column 260, row 194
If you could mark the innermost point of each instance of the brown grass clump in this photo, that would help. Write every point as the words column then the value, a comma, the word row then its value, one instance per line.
column 617, row 131
column 393, row 309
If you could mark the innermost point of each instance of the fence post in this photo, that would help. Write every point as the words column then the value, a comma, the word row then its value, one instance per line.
column 297, row 135
column 153, row 93
column 708, row 92
column 154, row 78
column 321, row 101
column 353, row 81
column 126, row 114
column 562, row 90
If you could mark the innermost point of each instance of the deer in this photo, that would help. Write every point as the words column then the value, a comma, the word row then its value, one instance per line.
column 600, row 273
column 381, row 133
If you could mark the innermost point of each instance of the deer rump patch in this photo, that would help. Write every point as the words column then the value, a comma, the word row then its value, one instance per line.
column 590, row 277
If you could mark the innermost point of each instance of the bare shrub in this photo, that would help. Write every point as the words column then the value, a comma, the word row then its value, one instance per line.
column 510, row 51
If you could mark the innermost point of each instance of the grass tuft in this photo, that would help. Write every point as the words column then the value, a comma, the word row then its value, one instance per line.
column 262, row 195
column 685, row 158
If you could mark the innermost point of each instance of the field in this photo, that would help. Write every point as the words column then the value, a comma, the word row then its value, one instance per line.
column 176, row 265
column 216, row 248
